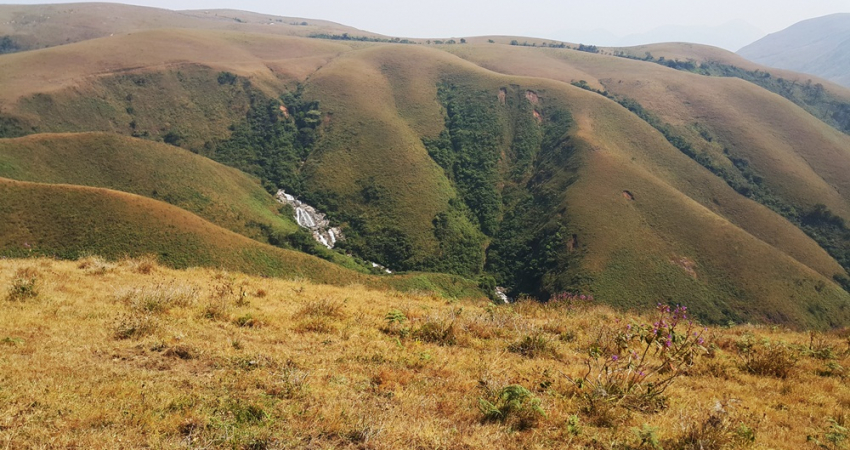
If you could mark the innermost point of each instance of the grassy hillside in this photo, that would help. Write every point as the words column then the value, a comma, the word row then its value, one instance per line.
column 221, row 195
column 541, row 169
column 138, row 355
column 702, row 116
column 71, row 221
column 39, row 26
column 605, row 257
column 171, row 92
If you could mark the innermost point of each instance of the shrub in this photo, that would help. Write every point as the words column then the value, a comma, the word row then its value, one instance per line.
column 224, row 293
column 24, row 285
column 631, row 366
column 513, row 405
column 226, row 78
column 227, row 291
column 766, row 358
column 395, row 323
column 820, row 348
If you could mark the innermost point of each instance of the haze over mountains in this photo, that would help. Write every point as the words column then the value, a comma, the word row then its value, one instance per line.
column 672, row 173
column 819, row 46
column 730, row 36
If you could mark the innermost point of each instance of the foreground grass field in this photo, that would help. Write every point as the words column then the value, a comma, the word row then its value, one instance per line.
column 134, row 355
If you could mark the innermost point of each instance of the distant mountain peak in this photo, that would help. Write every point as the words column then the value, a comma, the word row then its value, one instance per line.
column 730, row 35
column 819, row 46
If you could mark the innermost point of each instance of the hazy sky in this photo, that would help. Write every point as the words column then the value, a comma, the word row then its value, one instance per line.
column 552, row 19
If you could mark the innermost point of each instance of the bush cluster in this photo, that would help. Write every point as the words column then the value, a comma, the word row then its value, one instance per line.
column 631, row 366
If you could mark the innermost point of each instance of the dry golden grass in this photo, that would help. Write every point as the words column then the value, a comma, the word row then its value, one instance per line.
column 38, row 26
column 130, row 358
column 81, row 64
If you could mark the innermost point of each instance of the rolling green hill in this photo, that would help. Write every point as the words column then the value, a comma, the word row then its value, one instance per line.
column 219, row 194
column 540, row 169
column 70, row 222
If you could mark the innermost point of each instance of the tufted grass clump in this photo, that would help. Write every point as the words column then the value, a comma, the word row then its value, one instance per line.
column 534, row 345
column 248, row 321
column 134, row 325
column 323, row 308
column 320, row 316
column 834, row 436
column 95, row 265
column 766, row 358
column 437, row 331
column 718, row 430
column 144, row 265
column 290, row 382
column 24, row 286
column 512, row 405
column 158, row 298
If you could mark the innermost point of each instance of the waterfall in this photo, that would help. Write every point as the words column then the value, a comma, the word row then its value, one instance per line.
column 308, row 217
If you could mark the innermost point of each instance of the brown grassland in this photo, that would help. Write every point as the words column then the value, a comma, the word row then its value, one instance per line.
column 131, row 354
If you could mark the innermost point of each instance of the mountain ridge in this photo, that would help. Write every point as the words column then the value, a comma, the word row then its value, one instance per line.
column 817, row 46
